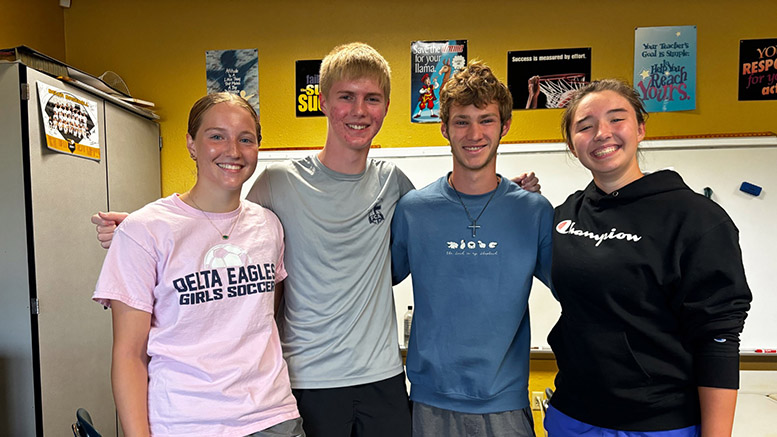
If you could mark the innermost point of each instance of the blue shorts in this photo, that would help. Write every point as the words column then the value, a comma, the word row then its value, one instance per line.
column 558, row 424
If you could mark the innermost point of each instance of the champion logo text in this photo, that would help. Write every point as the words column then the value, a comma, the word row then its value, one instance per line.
column 567, row 227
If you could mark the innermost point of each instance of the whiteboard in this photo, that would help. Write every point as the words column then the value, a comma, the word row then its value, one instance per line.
column 721, row 164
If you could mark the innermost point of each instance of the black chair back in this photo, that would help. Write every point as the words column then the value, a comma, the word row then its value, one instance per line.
column 83, row 426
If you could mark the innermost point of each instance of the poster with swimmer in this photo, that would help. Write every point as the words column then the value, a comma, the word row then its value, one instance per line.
column 432, row 63
column 70, row 122
column 665, row 67
column 234, row 71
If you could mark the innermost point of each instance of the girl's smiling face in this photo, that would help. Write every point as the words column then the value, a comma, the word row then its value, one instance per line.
column 605, row 136
column 226, row 147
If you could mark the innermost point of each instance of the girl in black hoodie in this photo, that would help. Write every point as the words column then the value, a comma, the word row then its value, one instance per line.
column 652, row 288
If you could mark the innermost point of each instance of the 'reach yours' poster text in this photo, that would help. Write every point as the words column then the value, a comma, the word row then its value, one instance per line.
column 665, row 67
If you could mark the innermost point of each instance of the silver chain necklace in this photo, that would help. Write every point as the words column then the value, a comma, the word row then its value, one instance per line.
column 474, row 226
column 223, row 235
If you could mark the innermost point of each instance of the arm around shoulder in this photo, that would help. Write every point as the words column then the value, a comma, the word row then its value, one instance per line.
column 528, row 181
column 106, row 223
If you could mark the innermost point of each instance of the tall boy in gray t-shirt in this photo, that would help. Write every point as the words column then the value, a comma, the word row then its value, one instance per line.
column 338, row 327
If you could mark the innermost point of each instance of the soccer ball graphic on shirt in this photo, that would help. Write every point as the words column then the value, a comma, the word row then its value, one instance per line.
column 225, row 255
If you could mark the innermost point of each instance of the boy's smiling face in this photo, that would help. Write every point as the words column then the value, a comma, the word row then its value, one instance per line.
column 355, row 109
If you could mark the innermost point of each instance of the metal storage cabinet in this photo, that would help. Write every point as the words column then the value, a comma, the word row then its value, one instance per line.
column 55, row 343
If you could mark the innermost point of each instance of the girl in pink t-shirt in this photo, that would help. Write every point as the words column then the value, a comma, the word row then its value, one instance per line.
column 192, row 281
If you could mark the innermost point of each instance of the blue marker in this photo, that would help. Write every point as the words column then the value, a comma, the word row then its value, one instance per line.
column 749, row 188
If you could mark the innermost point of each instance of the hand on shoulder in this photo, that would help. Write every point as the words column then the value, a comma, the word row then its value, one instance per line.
column 106, row 223
column 528, row 181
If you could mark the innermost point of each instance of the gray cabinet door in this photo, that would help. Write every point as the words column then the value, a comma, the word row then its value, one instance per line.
column 49, row 251
column 74, row 333
column 17, row 387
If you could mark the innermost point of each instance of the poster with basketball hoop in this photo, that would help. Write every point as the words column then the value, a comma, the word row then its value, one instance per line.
column 432, row 63
column 541, row 79
column 70, row 122
column 665, row 67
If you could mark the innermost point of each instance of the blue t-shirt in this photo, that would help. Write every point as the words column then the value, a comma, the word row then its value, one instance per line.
column 469, row 346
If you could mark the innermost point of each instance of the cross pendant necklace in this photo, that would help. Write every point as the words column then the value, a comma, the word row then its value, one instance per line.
column 474, row 226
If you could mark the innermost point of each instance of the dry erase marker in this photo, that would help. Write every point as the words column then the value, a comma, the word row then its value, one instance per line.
column 766, row 351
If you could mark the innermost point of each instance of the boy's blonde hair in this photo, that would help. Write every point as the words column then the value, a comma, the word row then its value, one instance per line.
column 354, row 61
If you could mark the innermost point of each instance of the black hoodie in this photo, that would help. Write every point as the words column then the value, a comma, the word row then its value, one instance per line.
column 653, row 298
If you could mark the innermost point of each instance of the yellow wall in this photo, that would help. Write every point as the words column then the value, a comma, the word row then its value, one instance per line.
column 39, row 24
column 541, row 376
column 158, row 47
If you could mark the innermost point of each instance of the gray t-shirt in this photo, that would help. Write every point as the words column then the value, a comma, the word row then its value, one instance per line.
column 339, row 325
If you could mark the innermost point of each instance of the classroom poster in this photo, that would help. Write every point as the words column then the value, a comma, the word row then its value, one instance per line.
column 69, row 122
column 665, row 67
column 234, row 71
column 432, row 63
column 306, row 88
column 758, row 69
column 547, row 78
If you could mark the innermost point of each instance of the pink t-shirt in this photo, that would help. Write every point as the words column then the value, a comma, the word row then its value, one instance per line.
column 215, row 365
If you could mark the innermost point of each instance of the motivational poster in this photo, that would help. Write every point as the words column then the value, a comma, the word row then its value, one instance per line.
column 234, row 71
column 665, row 67
column 432, row 63
column 306, row 88
column 758, row 69
column 547, row 78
